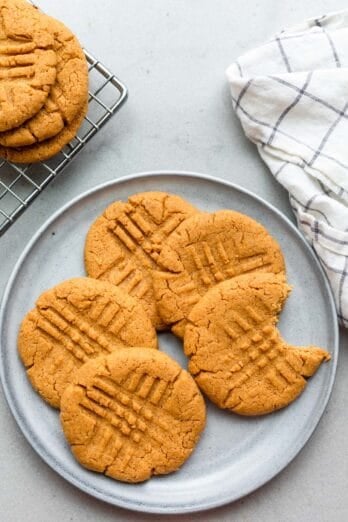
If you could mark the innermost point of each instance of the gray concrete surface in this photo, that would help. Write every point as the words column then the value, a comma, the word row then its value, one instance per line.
column 172, row 55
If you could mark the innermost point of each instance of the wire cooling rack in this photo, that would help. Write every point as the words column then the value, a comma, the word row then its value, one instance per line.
column 21, row 184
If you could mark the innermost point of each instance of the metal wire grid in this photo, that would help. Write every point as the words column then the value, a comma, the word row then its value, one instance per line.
column 21, row 184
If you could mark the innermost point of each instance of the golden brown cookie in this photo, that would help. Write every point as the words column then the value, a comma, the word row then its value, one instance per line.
column 48, row 148
column 132, row 414
column 237, row 355
column 205, row 250
column 27, row 60
column 73, row 322
column 67, row 96
column 123, row 244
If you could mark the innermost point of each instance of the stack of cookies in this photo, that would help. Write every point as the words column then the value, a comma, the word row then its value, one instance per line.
column 43, row 86
column 156, row 262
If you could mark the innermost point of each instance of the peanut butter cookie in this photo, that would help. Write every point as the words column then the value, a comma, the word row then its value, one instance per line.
column 73, row 322
column 205, row 250
column 132, row 414
column 237, row 355
column 67, row 96
column 28, row 62
column 124, row 243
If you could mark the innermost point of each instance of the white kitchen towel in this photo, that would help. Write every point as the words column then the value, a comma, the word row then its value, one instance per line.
column 291, row 96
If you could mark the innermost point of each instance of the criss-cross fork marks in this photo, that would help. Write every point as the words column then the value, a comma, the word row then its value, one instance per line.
column 206, row 264
column 214, row 264
column 78, row 331
column 53, row 325
column 131, row 410
column 266, row 355
column 137, row 231
column 261, row 349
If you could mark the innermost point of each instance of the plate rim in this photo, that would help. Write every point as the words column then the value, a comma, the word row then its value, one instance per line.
column 121, row 501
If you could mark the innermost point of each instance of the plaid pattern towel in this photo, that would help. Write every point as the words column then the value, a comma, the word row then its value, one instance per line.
column 291, row 95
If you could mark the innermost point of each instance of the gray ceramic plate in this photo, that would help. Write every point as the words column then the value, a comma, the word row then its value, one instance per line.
column 235, row 455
